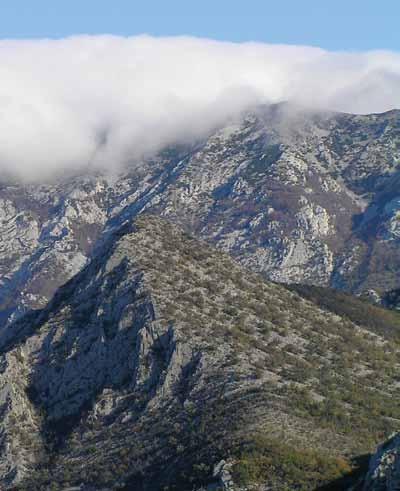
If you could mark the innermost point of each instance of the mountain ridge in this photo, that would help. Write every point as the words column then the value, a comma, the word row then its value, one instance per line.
column 163, row 356
column 299, row 196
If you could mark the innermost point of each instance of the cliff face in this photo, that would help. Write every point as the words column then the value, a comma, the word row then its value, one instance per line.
column 384, row 468
column 163, row 357
column 301, row 197
column 391, row 299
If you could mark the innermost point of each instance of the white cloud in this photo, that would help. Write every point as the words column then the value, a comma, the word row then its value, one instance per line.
column 58, row 98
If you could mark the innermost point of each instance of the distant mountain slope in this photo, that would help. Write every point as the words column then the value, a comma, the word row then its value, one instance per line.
column 300, row 196
column 163, row 356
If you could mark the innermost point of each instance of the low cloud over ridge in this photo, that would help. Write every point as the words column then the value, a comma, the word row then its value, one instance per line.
column 64, row 103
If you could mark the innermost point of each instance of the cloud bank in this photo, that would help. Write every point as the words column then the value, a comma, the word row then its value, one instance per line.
column 104, row 99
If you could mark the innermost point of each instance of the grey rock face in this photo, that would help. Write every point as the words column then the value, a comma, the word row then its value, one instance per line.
column 384, row 467
column 298, row 196
column 223, row 476
column 391, row 299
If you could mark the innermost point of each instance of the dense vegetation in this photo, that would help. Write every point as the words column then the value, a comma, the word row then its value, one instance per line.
column 359, row 311
column 286, row 467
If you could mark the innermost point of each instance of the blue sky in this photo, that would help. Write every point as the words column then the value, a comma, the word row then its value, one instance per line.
column 331, row 24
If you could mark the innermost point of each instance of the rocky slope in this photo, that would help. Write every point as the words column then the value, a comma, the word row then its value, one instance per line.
column 300, row 196
column 163, row 357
